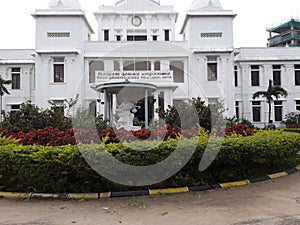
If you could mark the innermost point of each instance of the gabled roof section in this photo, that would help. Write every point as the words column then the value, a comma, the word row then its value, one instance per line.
column 206, row 5
column 135, row 3
column 64, row 4
column 61, row 7
column 138, row 7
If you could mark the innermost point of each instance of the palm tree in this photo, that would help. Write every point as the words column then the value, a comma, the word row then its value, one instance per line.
column 273, row 91
column 3, row 91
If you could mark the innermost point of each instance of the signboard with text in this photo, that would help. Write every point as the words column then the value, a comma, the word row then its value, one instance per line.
column 134, row 76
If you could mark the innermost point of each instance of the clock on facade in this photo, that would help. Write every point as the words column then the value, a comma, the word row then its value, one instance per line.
column 136, row 21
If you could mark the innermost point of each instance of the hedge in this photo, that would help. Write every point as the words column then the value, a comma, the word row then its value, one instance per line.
column 63, row 169
column 295, row 130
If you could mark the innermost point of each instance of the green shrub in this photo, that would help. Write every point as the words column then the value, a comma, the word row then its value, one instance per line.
column 7, row 141
column 294, row 130
column 63, row 169
column 292, row 120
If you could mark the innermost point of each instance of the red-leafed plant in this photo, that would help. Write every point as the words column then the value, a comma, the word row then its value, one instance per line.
column 240, row 129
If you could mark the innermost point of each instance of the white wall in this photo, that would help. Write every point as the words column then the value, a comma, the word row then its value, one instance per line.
column 74, row 25
column 211, row 24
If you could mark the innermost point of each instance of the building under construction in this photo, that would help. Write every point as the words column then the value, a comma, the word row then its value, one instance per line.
column 287, row 34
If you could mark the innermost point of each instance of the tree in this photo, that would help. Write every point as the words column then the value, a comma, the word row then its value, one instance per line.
column 292, row 120
column 3, row 91
column 31, row 117
column 66, row 104
column 273, row 91
column 209, row 116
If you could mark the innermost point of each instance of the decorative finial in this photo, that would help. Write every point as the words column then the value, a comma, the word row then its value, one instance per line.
column 59, row 4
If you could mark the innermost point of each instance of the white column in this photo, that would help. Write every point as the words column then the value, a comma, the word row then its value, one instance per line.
column 165, row 65
column 148, row 25
column 98, row 107
column 114, row 107
column 152, row 65
column 168, row 99
column 146, row 110
column 288, row 82
column 246, row 92
column 156, row 106
column 266, row 75
column 111, row 105
column 108, row 65
column 105, row 105
column 121, row 65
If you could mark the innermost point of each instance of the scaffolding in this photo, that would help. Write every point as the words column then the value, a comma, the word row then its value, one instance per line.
column 285, row 34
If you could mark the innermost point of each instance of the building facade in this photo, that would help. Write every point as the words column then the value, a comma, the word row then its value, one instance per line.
column 137, row 65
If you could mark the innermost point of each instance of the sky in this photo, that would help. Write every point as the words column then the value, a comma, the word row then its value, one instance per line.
column 253, row 17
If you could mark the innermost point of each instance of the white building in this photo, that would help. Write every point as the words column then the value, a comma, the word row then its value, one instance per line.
column 136, row 57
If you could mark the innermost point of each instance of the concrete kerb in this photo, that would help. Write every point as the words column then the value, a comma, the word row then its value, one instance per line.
column 93, row 196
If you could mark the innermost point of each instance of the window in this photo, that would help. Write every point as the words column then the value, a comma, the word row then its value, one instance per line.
column 297, row 75
column 177, row 102
column 95, row 66
column 256, row 111
column 236, row 81
column 211, row 35
column 178, row 71
column 116, row 66
column 254, row 75
column 118, row 37
column 14, row 108
column 298, row 105
column 137, row 66
column 154, row 37
column 16, row 78
column 137, row 38
column 167, row 35
column 237, row 110
column 212, row 68
column 277, row 75
column 161, row 100
column 278, row 110
column 93, row 108
column 58, row 106
column 128, row 66
column 157, row 65
column 106, row 35
column 142, row 65
column 213, row 101
column 59, row 69
column 58, row 34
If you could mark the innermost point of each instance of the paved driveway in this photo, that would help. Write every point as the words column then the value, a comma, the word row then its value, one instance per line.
column 276, row 202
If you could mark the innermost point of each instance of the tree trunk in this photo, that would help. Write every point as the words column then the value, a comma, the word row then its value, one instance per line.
column 270, row 108
column 1, row 112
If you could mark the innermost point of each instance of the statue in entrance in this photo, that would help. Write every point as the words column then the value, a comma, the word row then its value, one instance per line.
column 125, row 116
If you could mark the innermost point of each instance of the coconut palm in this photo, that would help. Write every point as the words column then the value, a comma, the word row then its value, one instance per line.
column 273, row 91
column 3, row 90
